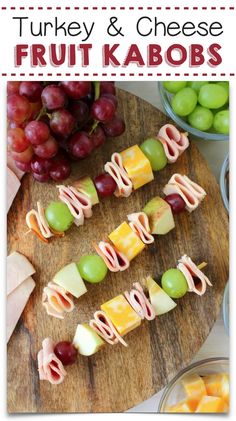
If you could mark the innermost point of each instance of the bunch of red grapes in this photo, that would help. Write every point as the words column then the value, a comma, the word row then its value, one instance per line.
column 52, row 124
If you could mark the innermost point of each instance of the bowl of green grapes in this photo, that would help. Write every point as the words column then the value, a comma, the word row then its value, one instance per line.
column 199, row 107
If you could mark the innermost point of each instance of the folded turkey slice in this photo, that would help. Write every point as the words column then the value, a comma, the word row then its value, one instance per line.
column 139, row 302
column 116, row 170
column 57, row 300
column 191, row 192
column 16, row 302
column 78, row 203
column 13, row 185
column 173, row 141
column 191, row 271
column 104, row 328
column 37, row 223
column 139, row 223
column 18, row 269
column 114, row 259
column 49, row 366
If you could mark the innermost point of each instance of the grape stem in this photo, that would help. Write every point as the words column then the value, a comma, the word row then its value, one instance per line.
column 96, row 85
column 41, row 113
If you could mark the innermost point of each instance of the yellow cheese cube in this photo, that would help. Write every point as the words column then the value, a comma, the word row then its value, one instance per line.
column 217, row 385
column 183, row 406
column 194, row 386
column 122, row 315
column 211, row 404
column 137, row 166
column 126, row 241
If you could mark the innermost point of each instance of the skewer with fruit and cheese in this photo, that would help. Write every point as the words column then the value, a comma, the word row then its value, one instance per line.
column 120, row 315
column 125, row 172
column 123, row 245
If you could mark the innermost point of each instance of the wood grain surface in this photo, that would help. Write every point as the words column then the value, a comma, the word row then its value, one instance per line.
column 117, row 378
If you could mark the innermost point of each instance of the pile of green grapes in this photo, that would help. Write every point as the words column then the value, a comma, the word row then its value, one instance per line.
column 204, row 105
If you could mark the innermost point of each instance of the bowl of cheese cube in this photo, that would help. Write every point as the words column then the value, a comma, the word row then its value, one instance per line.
column 203, row 387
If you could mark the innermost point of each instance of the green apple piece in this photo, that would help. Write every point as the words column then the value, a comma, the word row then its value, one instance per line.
column 69, row 278
column 86, row 186
column 160, row 301
column 86, row 340
column 160, row 216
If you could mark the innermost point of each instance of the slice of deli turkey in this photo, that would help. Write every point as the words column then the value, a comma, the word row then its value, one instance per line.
column 196, row 279
column 16, row 302
column 78, row 203
column 174, row 142
column 49, row 366
column 116, row 170
column 139, row 223
column 13, row 185
column 18, row 269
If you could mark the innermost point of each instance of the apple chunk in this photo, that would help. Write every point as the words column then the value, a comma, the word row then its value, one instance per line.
column 86, row 186
column 69, row 278
column 161, row 301
column 86, row 340
column 160, row 216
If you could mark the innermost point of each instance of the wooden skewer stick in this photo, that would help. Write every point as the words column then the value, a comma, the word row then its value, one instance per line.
column 202, row 265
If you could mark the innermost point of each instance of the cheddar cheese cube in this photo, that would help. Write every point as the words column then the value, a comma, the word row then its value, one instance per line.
column 194, row 386
column 137, row 166
column 126, row 241
column 122, row 315
column 217, row 385
column 211, row 404
column 187, row 405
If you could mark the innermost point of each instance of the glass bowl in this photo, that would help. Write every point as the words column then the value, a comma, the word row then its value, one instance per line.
column 174, row 391
column 166, row 97
column 224, row 182
column 225, row 308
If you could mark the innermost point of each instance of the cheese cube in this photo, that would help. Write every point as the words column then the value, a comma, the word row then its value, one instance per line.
column 122, row 315
column 137, row 166
column 211, row 404
column 194, row 386
column 217, row 385
column 126, row 241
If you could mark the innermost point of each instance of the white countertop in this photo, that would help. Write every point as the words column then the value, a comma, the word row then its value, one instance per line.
column 217, row 343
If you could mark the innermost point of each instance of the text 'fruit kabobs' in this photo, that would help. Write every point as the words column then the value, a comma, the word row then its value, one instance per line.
column 50, row 125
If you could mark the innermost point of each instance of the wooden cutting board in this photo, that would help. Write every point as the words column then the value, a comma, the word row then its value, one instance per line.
column 117, row 378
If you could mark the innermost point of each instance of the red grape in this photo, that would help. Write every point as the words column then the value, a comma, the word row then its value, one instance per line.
column 103, row 109
column 31, row 90
column 105, row 185
column 47, row 149
column 40, row 165
column 115, row 127
column 18, row 108
column 66, row 352
column 176, row 202
column 13, row 87
column 37, row 132
column 42, row 178
column 111, row 98
column 23, row 166
column 14, row 125
column 60, row 169
column 53, row 97
column 76, row 90
column 80, row 145
column 62, row 122
column 98, row 137
column 16, row 140
column 80, row 110
column 107, row 88
column 25, row 156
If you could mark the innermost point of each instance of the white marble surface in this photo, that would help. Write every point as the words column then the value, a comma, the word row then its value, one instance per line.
column 217, row 343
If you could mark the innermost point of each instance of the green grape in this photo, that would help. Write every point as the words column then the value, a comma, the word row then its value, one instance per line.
column 225, row 85
column 184, row 102
column 58, row 216
column 174, row 87
column 174, row 283
column 196, row 85
column 221, row 122
column 154, row 151
column 212, row 95
column 92, row 268
column 201, row 118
